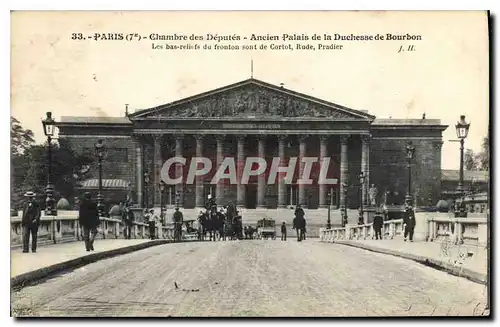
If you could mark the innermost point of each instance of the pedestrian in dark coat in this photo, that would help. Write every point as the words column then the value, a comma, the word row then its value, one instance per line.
column 409, row 223
column 378, row 223
column 30, row 222
column 89, row 220
column 283, row 231
column 128, row 220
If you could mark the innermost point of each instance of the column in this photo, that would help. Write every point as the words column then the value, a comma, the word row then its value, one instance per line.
column 281, row 181
column 157, row 163
column 240, row 191
column 139, row 171
column 302, row 154
column 343, row 166
column 261, row 181
column 199, row 200
column 219, row 190
column 179, row 171
column 322, row 154
column 365, row 155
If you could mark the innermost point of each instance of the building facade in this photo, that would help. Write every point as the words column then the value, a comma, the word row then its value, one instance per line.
column 256, row 119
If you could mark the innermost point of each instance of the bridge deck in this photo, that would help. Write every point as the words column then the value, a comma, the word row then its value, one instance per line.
column 252, row 278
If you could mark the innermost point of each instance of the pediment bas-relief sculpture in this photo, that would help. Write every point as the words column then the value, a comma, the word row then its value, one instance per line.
column 250, row 100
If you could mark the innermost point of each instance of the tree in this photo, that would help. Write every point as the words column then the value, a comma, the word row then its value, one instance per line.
column 33, row 171
column 483, row 157
column 20, row 138
column 20, row 141
column 480, row 160
column 470, row 162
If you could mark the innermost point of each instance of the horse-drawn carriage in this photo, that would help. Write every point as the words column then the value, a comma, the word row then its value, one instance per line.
column 189, row 232
column 266, row 228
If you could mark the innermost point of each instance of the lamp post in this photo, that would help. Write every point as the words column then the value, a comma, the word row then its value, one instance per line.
column 177, row 198
column 344, row 209
column 162, row 195
column 48, row 128
column 328, row 221
column 410, row 152
column 99, row 152
column 462, row 128
column 361, row 219
column 146, row 190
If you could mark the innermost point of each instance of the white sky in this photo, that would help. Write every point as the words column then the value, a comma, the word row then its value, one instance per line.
column 445, row 77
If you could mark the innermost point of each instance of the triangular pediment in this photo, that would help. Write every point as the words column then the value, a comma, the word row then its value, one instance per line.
column 252, row 98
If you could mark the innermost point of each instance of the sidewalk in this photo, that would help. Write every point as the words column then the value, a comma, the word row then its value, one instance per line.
column 461, row 260
column 49, row 259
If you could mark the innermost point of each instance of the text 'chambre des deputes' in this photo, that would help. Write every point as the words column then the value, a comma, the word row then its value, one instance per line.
column 287, row 42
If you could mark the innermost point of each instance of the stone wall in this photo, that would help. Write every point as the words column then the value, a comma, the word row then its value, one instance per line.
column 119, row 161
column 389, row 169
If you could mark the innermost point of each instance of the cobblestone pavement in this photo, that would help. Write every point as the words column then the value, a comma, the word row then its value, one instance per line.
column 252, row 278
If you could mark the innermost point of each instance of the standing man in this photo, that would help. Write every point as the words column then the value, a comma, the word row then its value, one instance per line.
column 178, row 219
column 89, row 220
column 128, row 221
column 409, row 222
column 30, row 222
column 378, row 222
column 283, row 231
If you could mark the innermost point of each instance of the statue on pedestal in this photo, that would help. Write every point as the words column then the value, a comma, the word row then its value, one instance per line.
column 373, row 192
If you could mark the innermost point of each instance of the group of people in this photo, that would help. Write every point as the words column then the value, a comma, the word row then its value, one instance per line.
column 409, row 223
column 222, row 223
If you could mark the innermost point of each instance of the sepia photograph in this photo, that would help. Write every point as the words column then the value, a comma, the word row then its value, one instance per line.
column 218, row 164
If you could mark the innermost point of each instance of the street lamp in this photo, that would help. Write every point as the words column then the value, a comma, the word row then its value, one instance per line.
column 328, row 221
column 410, row 152
column 146, row 189
column 162, row 195
column 361, row 219
column 344, row 209
column 48, row 128
column 462, row 128
column 462, row 131
column 99, row 152
column 177, row 198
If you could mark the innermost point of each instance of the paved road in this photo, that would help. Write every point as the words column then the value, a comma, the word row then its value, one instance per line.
column 252, row 278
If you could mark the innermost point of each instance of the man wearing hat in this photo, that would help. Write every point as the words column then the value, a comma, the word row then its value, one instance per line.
column 409, row 222
column 378, row 223
column 88, row 216
column 30, row 222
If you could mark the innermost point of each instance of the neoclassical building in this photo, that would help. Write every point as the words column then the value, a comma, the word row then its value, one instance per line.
column 253, row 118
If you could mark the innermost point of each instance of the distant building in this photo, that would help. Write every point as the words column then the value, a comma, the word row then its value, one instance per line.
column 255, row 118
column 474, row 181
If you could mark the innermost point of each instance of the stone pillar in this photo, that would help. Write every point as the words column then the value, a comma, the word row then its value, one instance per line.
column 157, row 163
column 219, row 190
column 322, row 154
column 281, row 181
column 302, row 154
column 240, row 191
column 199, row 200
column 139, row 171
column 179, row 169
column 343, row 166
column 365, row 155
column 261, row 181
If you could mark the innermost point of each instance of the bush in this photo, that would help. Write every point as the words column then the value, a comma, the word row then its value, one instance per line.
column 442, row 206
